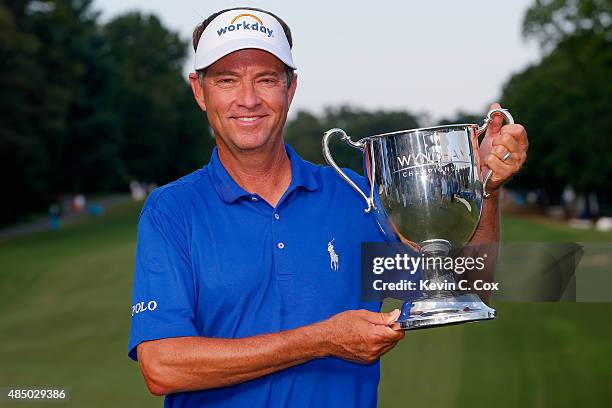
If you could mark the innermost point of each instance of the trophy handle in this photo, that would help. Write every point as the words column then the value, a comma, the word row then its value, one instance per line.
column 329, row 159
column 509, row 120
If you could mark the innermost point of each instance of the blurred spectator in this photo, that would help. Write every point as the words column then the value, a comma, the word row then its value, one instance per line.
column 138, row 190
column 79, row 203
column 593, row 204
column 54, row 217
column 604, row 224
column 67, row 204
column 532, row 197
column 95, row 209
column 568, row 197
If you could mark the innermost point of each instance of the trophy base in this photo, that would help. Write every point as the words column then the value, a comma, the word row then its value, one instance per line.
column 454, row 309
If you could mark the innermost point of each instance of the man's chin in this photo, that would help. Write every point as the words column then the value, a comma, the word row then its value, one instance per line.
column 251, row 142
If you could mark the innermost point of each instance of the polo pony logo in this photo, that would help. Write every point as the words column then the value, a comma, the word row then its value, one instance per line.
column 333, row 256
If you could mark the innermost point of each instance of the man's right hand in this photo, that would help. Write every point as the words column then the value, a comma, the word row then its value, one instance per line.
column 362, row 336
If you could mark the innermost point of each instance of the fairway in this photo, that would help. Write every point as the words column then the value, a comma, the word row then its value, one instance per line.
column 65, row 309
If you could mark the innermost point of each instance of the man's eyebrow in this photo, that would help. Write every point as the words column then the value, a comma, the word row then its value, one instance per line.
column 224, row 73
column 273, row 73
column 234, row 73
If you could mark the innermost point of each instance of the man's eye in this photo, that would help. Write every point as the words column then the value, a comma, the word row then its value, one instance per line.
column 268, row 81
column 226, row 81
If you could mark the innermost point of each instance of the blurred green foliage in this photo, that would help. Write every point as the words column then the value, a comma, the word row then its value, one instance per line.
column 565, row 100
column 552, row 21
column 86, row 106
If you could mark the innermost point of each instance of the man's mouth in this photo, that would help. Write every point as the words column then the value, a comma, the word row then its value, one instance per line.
column 247, row 119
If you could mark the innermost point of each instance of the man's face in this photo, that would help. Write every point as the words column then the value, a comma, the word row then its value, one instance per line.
column 246, row 98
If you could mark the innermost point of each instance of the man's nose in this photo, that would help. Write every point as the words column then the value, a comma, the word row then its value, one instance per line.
column 248, row 95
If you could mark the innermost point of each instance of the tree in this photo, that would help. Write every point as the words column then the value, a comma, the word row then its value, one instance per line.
column 84, row 107
column 23, row 159
column 164, row 133
column 551, row 21
column 53, row 83
column 565, row 101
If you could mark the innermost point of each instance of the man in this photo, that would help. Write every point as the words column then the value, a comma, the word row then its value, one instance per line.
column 246, row 289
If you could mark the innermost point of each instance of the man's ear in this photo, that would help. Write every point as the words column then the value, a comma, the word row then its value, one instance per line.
column 198, row 92
column 291, row 90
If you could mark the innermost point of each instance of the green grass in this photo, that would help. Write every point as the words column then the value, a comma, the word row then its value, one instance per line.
column 64, row 319
column 544, row 230
column 65, row 307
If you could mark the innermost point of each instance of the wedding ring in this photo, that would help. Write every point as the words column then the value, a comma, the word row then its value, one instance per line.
column 506, row 156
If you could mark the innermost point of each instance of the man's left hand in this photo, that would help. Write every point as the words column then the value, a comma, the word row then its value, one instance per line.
column 498, row 141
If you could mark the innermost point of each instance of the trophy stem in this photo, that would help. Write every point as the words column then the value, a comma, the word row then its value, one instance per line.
column 433, row 249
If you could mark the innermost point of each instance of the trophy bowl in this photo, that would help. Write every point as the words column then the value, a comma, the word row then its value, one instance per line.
column 426, row 188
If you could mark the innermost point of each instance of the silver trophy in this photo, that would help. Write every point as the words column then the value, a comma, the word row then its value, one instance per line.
column 426, row 187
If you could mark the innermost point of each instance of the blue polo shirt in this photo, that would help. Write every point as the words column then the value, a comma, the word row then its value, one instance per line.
column 214, row 260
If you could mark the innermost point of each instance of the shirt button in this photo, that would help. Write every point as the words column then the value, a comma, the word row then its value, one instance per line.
column 276, row 216
column 253, row 198
column 280, row 245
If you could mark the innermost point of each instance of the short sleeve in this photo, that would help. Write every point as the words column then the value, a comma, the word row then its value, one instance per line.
column 163, row 295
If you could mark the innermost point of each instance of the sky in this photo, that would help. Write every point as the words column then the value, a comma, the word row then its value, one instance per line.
column 433, row 57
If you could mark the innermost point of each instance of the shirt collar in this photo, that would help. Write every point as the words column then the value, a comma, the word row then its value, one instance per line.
column 230, row 191
column 301, row 172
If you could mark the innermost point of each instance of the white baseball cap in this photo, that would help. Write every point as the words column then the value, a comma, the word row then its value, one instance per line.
column 239, row 29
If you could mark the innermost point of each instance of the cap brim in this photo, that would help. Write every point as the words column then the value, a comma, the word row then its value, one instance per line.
column 241, row 44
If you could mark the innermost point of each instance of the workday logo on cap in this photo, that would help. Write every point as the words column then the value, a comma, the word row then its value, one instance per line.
column 246, row 24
